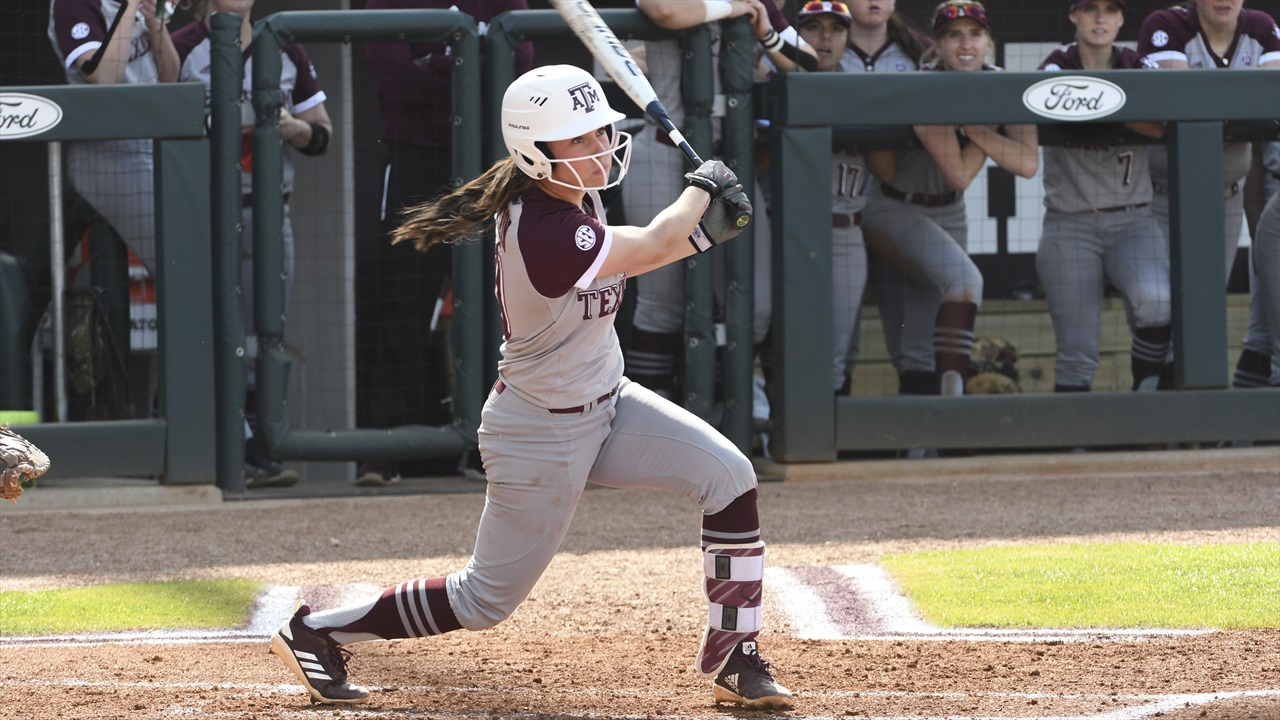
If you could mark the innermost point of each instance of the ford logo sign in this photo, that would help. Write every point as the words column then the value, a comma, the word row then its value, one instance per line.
column 1073, row 98
column 23, row 115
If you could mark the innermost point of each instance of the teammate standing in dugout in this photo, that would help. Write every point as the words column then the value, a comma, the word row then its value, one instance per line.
column 1099, row 228
column 1215, row 35
column 562, row 414
column 919, row 206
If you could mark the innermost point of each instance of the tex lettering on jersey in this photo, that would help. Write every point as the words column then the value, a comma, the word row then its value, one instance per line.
column 602, row 301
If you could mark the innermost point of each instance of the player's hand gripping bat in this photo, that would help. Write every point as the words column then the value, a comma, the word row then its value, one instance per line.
column 604, row 45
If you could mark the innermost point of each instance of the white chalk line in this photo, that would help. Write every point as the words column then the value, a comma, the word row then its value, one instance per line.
column 1147, row 705
column 899, row 620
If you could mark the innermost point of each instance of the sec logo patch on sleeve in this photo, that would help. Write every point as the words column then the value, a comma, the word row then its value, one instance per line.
column 585, row 237
column 1160, row 38
column 80, row 31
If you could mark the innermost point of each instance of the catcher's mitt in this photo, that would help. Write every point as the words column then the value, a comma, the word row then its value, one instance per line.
column 20, row 461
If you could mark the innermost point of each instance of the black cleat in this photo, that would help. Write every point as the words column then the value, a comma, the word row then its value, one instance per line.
column 746, row 681
column 318, row 661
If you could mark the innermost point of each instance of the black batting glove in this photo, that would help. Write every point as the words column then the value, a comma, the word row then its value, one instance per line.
column 714, row 177
column 721, row 222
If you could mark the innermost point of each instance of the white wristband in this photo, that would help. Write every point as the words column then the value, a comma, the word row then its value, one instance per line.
column 772, row 42
column 717, row 10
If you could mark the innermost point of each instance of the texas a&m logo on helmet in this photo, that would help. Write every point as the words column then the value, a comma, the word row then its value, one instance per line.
column 584, row 97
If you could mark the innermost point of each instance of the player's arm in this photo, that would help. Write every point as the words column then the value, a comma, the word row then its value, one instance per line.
column 1017, row 150
column 883, row 164
column 161, row 42
column 115, row 58
column 1157, row 45
column 682, row 14
column 637, row 250
column 302, row 130
column 783, row 45
column 1148, row 128
column 959, row 166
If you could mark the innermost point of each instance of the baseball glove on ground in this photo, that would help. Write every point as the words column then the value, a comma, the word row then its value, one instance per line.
column 20, row 462
column 993, row 356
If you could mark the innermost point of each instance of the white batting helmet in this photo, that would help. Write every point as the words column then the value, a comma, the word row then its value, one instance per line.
column 559, row 102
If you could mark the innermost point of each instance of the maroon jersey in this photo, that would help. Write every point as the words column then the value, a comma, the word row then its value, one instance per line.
column 560, row 348
column 413, row 77
column 1175, row 34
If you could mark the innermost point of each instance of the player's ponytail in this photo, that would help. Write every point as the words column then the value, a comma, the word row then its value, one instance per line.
column 903, row 32
column 453, row 217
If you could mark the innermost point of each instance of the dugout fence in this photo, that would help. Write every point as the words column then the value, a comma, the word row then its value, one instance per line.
column 199, row 318
column 809, row 428
column 174, row 444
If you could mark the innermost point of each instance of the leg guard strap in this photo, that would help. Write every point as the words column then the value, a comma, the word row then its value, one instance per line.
column 734, row 587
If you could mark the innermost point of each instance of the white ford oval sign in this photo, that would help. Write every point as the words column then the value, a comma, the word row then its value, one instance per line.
column 1073, row 98
column 23, row 115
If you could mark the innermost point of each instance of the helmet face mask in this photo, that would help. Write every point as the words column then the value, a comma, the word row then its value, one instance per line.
column 560, row 102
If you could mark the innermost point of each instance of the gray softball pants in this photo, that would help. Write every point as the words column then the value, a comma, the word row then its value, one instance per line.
column 538, row 464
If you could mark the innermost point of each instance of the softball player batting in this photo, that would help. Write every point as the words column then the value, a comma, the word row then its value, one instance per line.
column 919, row 208
column 115, row 176
column 1098, row 226
column 1214, row 35
column 825, row 27
column 562, row 414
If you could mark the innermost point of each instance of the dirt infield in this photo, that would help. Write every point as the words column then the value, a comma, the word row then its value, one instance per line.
column 611, row 629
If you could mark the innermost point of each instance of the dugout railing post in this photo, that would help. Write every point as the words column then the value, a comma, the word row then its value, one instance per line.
column 225, row 96
column 407, row 442
column 175, row 445
column 798, row 104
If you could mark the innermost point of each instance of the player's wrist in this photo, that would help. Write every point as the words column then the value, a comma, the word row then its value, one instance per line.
column 772, row 41
column 717, row 10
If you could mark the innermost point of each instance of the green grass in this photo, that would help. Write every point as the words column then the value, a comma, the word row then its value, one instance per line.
column 150, row 606
column 1129, row 585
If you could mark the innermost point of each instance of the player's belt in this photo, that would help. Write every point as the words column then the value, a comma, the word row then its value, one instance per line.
column 247, row 200
column 920, row 199
column 1227, row 190
column 844, row 220
column 499, row 386
column 1120, row 208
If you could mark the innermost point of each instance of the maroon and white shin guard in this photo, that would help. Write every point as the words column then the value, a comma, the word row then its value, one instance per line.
column 734, row 586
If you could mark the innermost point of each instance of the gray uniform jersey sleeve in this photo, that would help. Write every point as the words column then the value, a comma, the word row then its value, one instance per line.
column 559, row 345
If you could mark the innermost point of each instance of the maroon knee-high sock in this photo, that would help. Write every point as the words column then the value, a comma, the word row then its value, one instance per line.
column 416, row 608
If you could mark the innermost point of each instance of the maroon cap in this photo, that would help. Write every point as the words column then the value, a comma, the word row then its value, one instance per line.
column 1075, row 5
column 824, row 7
column 953, row 10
